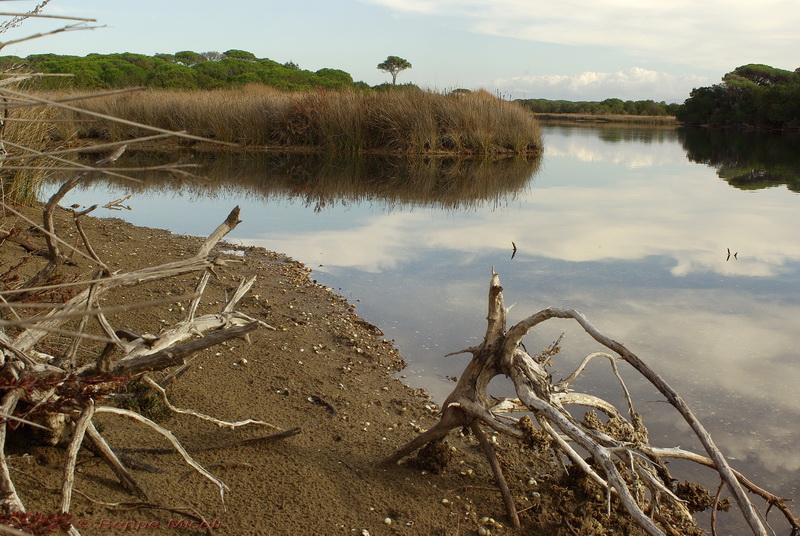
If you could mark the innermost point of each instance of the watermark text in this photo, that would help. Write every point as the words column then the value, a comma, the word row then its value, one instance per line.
column 134, row 525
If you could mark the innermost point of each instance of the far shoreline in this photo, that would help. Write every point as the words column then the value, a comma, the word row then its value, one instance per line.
column 618, row 119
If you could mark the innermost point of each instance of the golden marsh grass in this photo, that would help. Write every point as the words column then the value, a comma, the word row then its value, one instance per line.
column 407, row 120
column 27, row 131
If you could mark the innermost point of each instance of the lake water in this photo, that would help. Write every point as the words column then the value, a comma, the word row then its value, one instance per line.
column 630, row 226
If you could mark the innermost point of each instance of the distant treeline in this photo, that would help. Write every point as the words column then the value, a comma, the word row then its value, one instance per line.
column 754, row 95
column 757, row 96
column 182, row 70
column 606, row 107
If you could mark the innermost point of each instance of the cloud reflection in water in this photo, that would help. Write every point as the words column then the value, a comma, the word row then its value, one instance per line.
column 633, row 235
column 617, row 224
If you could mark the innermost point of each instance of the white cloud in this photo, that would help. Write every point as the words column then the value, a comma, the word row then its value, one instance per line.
column 631, row 84
column 716, row 34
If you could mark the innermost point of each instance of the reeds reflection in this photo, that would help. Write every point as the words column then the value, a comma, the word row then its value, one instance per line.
column 321, row 180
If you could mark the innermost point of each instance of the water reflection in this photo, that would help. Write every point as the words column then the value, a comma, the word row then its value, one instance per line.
column 452, row 182
column 616, row 133
column 620, row 225
column 615, row 144
column 747, row 160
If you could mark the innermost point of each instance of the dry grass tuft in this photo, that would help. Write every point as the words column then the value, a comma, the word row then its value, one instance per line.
column 29, row 129
column 407, row 121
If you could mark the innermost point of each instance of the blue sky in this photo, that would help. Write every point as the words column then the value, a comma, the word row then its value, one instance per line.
column 571, row 49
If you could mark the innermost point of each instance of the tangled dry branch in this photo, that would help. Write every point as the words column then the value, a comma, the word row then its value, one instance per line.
column 624, row 464
column 60, row 391
column 56, row 389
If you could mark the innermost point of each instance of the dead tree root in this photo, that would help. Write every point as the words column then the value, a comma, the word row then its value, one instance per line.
column 623, row 463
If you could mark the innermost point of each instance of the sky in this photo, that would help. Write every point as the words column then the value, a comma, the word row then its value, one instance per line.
column 571, row 49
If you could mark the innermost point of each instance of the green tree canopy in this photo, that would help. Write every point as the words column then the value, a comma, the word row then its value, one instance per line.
column 240, row 55
column 608, row 106
column 394, row 65
column 169, row 58
column 174, row 76
column 182, row 70
column 752, row 95
column 189, row 58
column 334, row 78
column 762, row 75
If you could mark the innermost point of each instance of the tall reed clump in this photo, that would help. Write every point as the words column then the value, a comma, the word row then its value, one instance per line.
column 27, row 130
column 409, row 121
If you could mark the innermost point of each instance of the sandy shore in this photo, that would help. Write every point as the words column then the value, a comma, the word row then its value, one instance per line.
column 322, row 358
column 323, row 370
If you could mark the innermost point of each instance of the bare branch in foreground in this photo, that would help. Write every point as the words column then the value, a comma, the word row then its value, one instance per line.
column 173, row 440
column 125, row 356
column 201, row 416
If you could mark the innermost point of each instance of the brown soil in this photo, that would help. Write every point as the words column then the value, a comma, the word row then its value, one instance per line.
column 324, row 370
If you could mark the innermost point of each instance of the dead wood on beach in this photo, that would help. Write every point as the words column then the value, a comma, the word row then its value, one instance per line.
column 60, row 391
column 623, row 463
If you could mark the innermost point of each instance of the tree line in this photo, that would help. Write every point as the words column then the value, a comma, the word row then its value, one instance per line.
column 753, row 95
column 605, row 107
column 182, row 70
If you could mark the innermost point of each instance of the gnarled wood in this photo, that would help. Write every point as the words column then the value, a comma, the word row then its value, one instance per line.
column 502, row 353
column 33, row 378
column 126, row 355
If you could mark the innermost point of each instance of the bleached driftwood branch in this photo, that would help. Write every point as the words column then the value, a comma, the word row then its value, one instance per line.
column 502, row 353
column 125, row 356
column 38, row 381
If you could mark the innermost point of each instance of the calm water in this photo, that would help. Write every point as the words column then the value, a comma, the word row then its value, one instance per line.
column 629, row 226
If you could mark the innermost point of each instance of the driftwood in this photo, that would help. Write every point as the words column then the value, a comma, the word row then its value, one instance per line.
column 618, row 462
column 126, row 356
column 57, row 392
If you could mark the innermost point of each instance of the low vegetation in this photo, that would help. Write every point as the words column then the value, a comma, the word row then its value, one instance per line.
column 406, row 120
column 27, row 129
column 625, row 119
